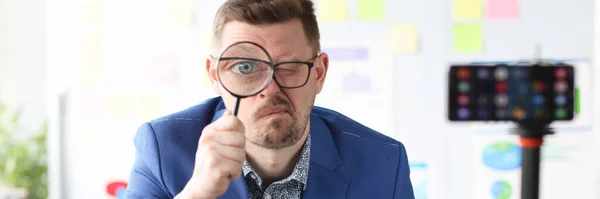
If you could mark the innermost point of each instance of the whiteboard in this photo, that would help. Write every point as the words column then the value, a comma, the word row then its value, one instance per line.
column 161, row 66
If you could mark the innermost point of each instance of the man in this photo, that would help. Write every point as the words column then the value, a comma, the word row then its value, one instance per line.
column 278, row 145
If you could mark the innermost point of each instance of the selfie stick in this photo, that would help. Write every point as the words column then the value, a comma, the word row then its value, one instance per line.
column 531, row 133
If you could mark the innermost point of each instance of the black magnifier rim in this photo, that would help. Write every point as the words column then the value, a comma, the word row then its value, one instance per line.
column 270, row 64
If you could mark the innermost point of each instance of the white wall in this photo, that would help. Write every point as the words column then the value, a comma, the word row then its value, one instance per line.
column 23, row 58
column 597, row 87
column 23, row 71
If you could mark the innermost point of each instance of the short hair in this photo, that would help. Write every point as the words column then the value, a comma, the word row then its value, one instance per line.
column 264, row 12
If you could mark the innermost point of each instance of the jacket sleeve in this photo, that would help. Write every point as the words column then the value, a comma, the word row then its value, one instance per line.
column 145, row 180
column 404, row 188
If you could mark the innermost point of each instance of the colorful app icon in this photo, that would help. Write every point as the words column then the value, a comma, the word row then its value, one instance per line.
column 501, row 73
column 560, row 100
column 538, row 100
column 501, row 87
column 501, row 100
column 463, row 113
column 520, row 73
column 561, row 87
column 483, row 73
column 560, row 113
column 539, row 86
column 519, row 113
column 463, row 100
column 463, row 87
column 463, row 73
column 560, row 73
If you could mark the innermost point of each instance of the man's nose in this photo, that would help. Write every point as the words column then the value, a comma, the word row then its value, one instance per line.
column 271, row 89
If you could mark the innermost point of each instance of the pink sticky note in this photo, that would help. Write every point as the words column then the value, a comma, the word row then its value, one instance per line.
column 502, row 9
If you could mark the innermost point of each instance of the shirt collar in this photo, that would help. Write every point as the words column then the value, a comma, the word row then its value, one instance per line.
column 300, row 172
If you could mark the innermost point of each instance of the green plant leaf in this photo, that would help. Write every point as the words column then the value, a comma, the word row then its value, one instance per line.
column 16, row 115
column 23, row 162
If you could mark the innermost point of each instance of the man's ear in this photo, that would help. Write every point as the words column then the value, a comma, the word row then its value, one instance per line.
column 211, row 70
column 321, row 67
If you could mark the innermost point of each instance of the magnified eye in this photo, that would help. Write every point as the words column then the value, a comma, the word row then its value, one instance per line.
column 244, row 67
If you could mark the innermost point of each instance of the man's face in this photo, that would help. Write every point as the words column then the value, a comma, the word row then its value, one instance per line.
column 276, row 117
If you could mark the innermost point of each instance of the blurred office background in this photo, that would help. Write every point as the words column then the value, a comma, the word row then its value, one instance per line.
column 95, row 70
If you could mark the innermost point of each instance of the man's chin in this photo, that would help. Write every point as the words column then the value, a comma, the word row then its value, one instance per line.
column 274, row 137
column 274, row 128
column 272, row 141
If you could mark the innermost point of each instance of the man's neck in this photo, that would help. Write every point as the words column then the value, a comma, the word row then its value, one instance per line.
column 274, row 164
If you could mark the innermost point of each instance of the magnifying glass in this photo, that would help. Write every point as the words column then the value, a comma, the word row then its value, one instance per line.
column 244, row 69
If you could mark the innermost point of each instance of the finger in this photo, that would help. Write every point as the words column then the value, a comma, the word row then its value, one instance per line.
column 230, row 138
column 232, row 153
column 229, row 169
column 228, row 123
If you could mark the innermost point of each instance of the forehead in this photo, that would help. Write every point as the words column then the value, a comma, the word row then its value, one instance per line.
column 282, row 40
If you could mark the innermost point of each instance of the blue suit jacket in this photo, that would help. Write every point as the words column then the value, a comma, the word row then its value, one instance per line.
column 347, row 160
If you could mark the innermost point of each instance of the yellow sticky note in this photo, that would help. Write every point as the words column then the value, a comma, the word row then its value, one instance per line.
column 468, row 38
column 93, row 44
column 180, row 13
column 404, row 38
column 93, row 71
column 333, row 10
column 93, row 13
column 371, row 10
column 467, row 9
column 131, row 106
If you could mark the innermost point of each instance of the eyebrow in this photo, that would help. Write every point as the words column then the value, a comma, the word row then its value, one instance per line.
column 287, row 58
column 293, row 58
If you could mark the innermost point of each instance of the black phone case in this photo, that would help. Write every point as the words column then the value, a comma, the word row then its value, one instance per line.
column 510, row 93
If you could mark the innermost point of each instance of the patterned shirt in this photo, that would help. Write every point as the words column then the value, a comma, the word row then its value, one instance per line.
column 291, row 187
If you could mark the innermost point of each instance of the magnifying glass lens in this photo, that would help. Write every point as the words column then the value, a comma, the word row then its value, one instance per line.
column 244, row 69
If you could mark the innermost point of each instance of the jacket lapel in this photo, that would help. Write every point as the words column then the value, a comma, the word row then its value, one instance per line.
column 324, row 179
column 324, row 183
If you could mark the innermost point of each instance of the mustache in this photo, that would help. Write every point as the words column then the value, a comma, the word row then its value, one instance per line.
column 277, row 100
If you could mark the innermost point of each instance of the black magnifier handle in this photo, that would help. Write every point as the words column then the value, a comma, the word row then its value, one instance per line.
column 237, row 106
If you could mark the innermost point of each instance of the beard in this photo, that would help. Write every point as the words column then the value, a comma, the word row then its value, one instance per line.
column 280, row 132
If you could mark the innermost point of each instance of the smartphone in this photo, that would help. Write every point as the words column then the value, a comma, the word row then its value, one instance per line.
column 511, row 92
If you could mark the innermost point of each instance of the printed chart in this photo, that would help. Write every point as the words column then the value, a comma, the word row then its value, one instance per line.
column 566, row 171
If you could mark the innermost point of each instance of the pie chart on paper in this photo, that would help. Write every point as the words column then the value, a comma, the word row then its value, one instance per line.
column 116, row 189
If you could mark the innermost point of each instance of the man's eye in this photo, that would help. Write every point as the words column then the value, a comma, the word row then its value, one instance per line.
column 244, row 68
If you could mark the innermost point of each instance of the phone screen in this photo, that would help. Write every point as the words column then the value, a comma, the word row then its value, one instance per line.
column 502, row 93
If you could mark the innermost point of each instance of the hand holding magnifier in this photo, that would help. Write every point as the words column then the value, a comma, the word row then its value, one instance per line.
column 244, row 69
